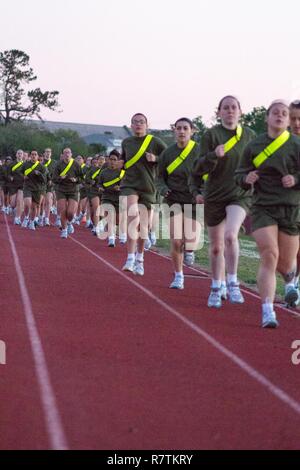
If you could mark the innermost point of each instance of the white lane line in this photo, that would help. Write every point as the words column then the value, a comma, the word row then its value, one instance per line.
column 252, row 294
column 272, row 388
column 54, row 425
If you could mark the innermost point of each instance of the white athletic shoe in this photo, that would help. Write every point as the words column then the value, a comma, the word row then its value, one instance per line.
column 138, row 268
column 64, row 233
column 111, row 242
column 128, row 266
column 269, row 320
column 70, row 229
column 177, row 283
column 189, row 258
column 31, row 225
column 25, row 222
column 58, row 222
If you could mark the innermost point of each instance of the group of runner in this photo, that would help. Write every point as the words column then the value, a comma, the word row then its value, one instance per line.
column 232, row 172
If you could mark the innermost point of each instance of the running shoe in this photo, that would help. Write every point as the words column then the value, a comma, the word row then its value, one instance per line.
column 128, row 266
column 235, row 295
column 214, row 299
column 269, row 320
column 177, row 283
column 70, row 229
column 138, row 268
column 291, row 296
column 111, row 242
column 189, row 258
column 25, row 222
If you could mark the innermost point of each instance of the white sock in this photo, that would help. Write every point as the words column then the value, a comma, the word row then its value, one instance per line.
column 130, row 257
column 179, row 274
column 223, row 284
column 296, row 280
column 267, row 307
column 215, row 284
column 231, row 278
column 140, row 257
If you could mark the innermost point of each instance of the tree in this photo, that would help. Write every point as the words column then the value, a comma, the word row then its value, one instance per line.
column 15, row 103
column 97, row 148
column 200, row 128
column 256, row 119
column 28, row 136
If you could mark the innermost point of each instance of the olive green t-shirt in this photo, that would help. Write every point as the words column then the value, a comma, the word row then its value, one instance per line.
column 221, row 185
column 65, row 185
column 37, row 179
column 179, row 181
column 111, row 193
column 92, row 184
column 141, row 175
column 16, row 177
column 268, row 190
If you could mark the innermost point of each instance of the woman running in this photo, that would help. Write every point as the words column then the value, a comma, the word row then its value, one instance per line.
column 270, row 166
column 110, row 179
column 67, row 177
column 140, row 154
column 49, row 163
column 83, row 199
column 174, row 184
column 226, row 204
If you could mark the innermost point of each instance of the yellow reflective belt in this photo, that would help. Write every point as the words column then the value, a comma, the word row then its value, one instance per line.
column 65, row 171
column 268, row 151
column 140, row 152
column 48, row 163
column 180, row 159
column 82, row 166
column 29, row 170
column 96, row 174
column 110, row 183
column 229, row 145
column 16, row 166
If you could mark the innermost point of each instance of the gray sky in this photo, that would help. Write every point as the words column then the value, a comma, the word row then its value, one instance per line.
column 165, row 58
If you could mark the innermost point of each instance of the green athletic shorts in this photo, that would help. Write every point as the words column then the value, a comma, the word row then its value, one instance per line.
column 189, row 210
column 14, row 189
column 60, row 195
column 147, row 199
column 83, row 193
column 287, row 218
column 215, row 212
column 35, row 195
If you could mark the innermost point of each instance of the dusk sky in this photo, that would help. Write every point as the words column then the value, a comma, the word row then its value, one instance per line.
column 165, row 58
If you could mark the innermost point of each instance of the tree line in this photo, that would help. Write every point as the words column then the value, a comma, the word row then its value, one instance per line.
column 19, row 103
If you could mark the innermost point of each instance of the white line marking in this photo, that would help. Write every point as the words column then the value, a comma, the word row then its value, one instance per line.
column 53, row 421
column 256, row 296
column 276, row 391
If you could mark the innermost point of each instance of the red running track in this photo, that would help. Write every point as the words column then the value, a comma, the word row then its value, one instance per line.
column 101, row 359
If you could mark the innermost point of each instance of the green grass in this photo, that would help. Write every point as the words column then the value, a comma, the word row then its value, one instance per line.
column 248, row 265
